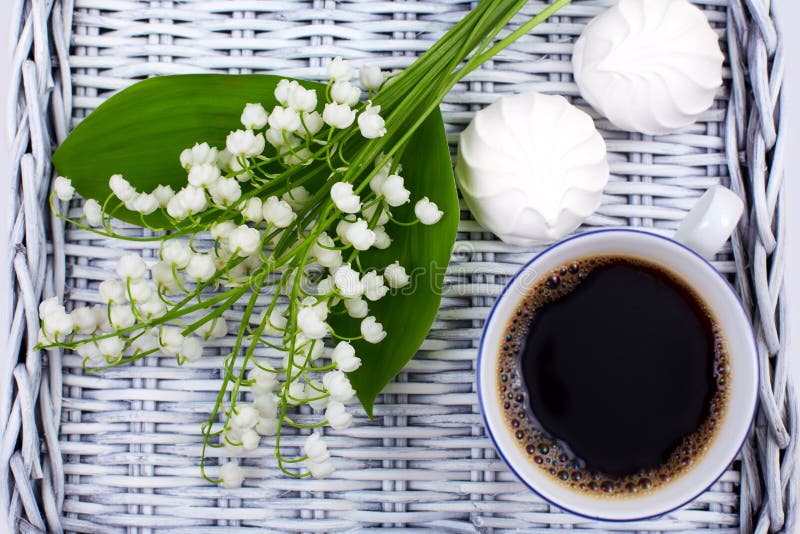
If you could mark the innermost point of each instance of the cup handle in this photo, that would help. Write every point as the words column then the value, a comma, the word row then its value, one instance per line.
column 711, row 221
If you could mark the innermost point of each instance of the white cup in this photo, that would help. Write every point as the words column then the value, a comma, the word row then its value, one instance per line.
column 715, row 292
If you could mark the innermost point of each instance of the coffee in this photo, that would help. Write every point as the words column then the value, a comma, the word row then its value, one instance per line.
column 613, row 375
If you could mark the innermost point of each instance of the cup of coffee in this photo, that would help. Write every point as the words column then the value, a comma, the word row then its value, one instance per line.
column 618, row 374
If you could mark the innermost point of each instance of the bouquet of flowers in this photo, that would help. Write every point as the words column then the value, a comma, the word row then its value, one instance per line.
column 326, row 215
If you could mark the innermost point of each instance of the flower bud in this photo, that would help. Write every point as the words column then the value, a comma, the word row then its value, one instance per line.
column 93, row 212
column 337, row 416
column 63, row 189
column 395, row 275
column 340, row 70
column 371, row 77
column 338, row 115
column 254, row 116
column 427, row 212
column 372, row 330
column 344, row 198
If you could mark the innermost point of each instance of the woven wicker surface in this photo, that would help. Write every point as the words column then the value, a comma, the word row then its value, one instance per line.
column 118, row 451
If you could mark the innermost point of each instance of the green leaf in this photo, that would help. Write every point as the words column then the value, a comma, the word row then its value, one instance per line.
column 140, row 132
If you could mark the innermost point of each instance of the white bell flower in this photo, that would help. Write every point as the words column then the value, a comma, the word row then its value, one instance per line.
column 161, row 273
column 374, row 288
column 284, row 89
column 245, row 143
column 244, row 240
column 371, row 77
column 254, row 116
column 145, row 343
column 215, row 329
column 338, row 386
column 225, row 191
column 281, row 138
column 369, row 213
column 303, row 100
column 231, row 474
column 232, row 441
column 264, row 382
column 359, row 235
column 284, row 119
column 316, row 391
column 266, row 404
column 101, row 315
column 278, row 212
column 199, row 154
column 176, row 209
column 93, row 212
column 337, row 416
column 311, row 124
column 308, row 347
column 63, row 188
column 244, row 416
column 191, row 350
column 325, row 253
column 344, row 356
column 145, row 203
column 131, row 267
column 111, row 347
column 201, row 267
column 370, row 123
column 321, row 470
column 203, row 175
column 92, row 354
column 347, row 282
column 140, row 290
column 222, row 230
column 395, row 275
column 382, row 239
column 57, row 325
column 267, row 426
column 163, row 194
column 394, row 191
column 338, row 115
column 372, row 330
column 122, row 316
column 316, row 449
column 152, row 308
column 296, row 394
column 296, row 197
column 252, row 210
column 326, row 286
column 309, row 322
column 176, row 253
column 121, row 188
column 49, row 306
column 427, row 212
column 344, row 198
column 345, row 93
column 341, row 230
column 113, row 291
column 356, row 308
column 84, row 320
column 170, row 339
column 340, row 70
column 250, row 439
column 275, row 324
column 194, row 198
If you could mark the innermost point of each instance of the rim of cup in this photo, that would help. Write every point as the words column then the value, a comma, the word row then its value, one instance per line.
column 743, row 392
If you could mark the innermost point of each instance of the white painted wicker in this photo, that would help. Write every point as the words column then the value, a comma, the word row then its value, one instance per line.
column 118, row 451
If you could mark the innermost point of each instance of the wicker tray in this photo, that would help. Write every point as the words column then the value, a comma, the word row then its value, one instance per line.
column 118, row 451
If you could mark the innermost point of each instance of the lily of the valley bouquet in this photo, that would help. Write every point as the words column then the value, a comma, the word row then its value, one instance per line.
column 311, row 223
